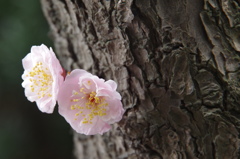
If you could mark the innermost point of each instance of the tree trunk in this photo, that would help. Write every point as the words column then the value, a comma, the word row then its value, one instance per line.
column 176, row 63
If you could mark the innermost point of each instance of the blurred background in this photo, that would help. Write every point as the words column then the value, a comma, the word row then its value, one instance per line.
column 25, row 132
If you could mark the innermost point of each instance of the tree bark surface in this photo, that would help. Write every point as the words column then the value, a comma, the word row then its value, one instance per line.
column 176, row 63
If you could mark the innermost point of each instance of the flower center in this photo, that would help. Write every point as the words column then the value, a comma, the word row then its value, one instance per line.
column 92, row 106
column 41, row 80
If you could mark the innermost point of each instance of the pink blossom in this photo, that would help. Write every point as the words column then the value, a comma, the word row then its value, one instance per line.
column 89, row 104
column 42, row 77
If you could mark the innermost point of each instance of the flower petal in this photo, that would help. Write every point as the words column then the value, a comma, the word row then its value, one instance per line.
column 113, row 84
column 98, row 127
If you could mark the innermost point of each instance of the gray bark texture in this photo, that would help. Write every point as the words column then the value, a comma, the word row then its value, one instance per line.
column 176, row 63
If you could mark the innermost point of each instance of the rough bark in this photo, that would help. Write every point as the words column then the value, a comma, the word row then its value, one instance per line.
column 176, row 63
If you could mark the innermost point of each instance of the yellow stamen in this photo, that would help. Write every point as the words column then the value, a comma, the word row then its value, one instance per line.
column 41, row 80
column 89, row 82
column 95, row 104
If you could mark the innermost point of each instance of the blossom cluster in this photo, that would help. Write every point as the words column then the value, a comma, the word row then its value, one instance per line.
column 88, row 103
